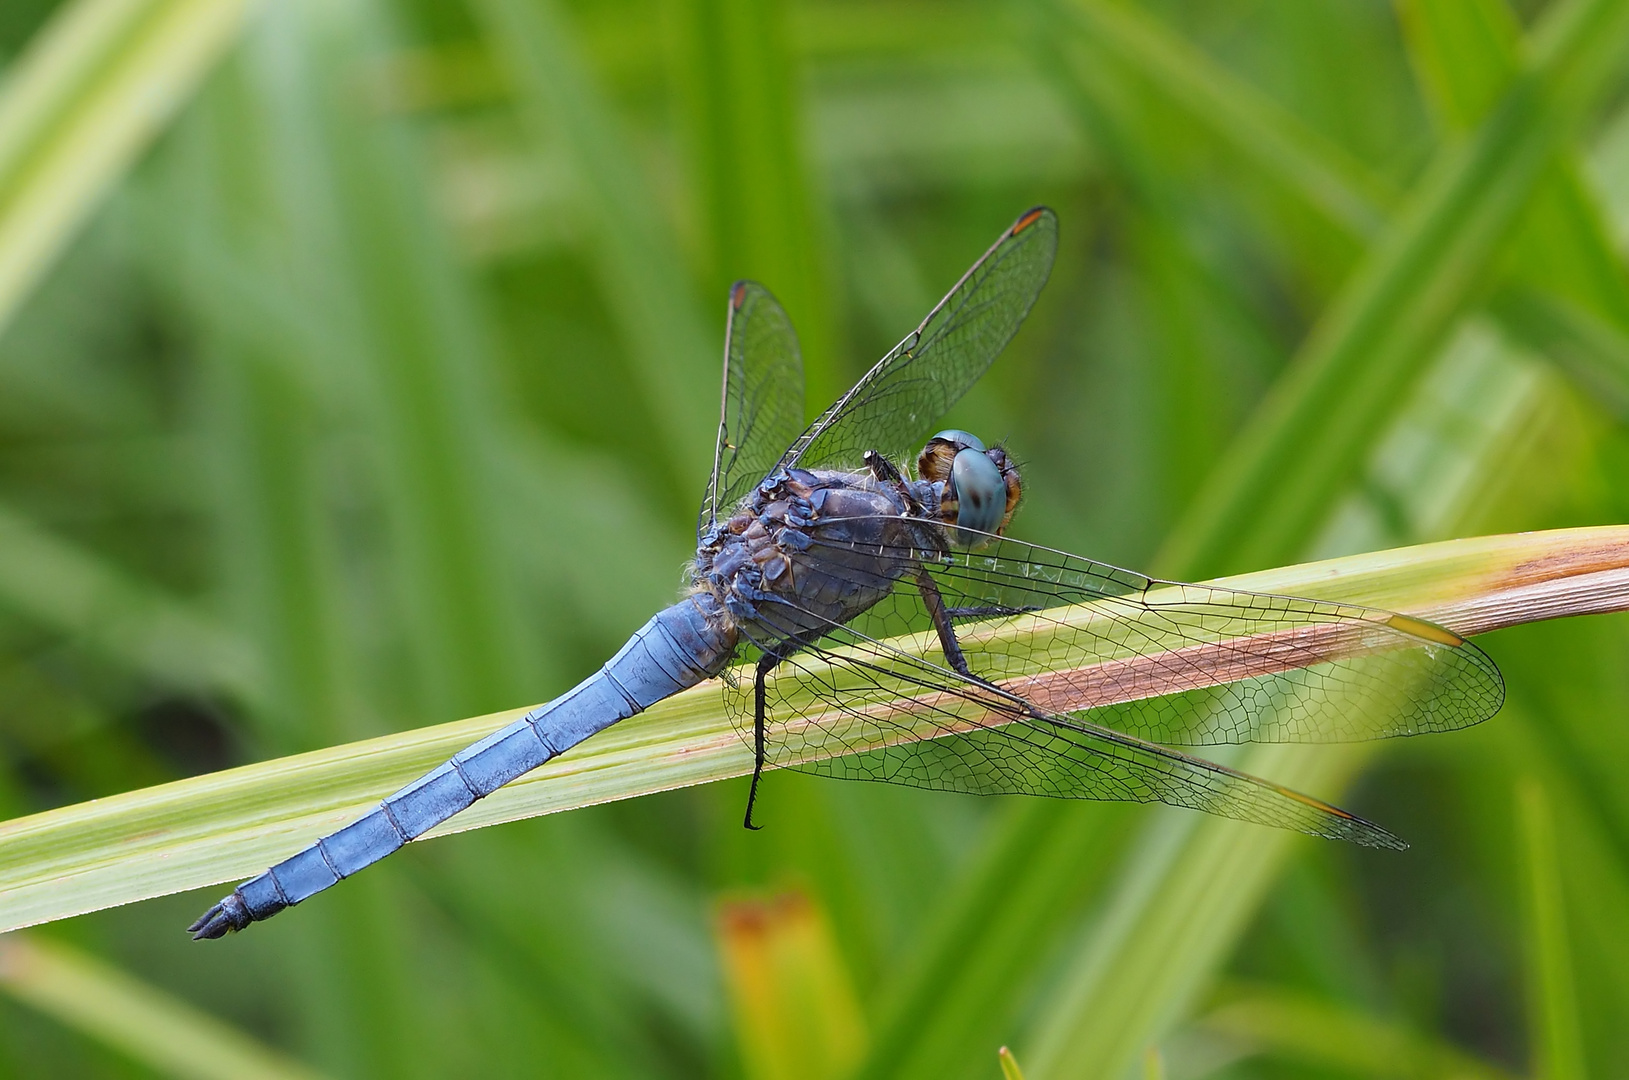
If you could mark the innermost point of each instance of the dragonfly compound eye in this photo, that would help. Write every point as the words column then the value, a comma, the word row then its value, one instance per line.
column 979, row 489
column 961, row 440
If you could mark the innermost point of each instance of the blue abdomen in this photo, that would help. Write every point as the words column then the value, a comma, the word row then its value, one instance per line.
column 679, row 647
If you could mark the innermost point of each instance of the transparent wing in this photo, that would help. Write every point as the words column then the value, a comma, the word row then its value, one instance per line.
column 893, row 408
column 858, row 709
column 1196, row 665
column 763, row 398
column 1193, row 664
column 1081, row 670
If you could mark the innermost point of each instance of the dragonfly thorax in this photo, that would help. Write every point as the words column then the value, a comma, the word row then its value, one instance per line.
column 810, row 549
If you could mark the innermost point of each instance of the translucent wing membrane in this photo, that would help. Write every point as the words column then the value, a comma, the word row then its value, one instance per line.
column 763, row 398
column 1080, row 670
column 1197, row 665
column 892, row 407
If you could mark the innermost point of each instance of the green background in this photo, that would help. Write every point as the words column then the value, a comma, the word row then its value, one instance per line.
column 387, row 362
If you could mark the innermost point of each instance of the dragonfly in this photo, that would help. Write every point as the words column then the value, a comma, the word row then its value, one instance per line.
column 869, row 619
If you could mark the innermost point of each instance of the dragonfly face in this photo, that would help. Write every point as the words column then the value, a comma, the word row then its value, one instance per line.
column 978, row 488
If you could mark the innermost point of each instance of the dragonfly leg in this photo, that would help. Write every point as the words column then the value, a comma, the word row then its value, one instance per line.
column 767, row 663
column 988, row 611
column 941, row 616
column 886, row 472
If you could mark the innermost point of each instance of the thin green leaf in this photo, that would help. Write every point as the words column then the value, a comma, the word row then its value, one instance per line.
column 1558, row 1044
column 1563, row 256
column 1467, row 53
column 1592, row 351
column 89, row 95
column 1311, row 435
column 75, row 592
column 744, row 117
column 640, row 271
column 162, row 1032
column 1277, row 145
column 1306, row 1031
column 229, row 824
column 278, row 569
column 423, row 363
column 1594, row 849
column 1184, row 899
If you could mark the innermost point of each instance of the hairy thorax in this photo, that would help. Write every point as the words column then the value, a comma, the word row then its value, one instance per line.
column 812, row 549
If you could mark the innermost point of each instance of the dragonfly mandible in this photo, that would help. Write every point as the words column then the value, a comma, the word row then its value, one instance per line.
column 873, row 621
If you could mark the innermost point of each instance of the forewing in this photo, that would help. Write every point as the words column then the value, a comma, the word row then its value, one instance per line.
column 893, row 408
column 1195, row 664
column 860, row 709
column 763, row 398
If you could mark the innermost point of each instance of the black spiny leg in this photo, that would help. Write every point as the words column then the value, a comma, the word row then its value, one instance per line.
column 767, row 663
column 941, row 623
column 941, row 616
column 885, row 472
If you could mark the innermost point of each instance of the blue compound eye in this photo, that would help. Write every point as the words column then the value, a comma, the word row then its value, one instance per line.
column 980, row 492
column 961, row 440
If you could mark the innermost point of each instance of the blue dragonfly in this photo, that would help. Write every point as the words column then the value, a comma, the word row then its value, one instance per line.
column 873, row 623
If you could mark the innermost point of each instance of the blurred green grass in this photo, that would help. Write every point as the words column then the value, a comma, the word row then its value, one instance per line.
column 356, row 373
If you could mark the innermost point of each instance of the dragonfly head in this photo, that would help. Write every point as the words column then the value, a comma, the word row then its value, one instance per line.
column 978, row 487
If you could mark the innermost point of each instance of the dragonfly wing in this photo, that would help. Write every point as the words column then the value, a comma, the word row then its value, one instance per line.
column 1199, row 665
column 860, row 709
column 893, row 408
column 763, row 398
column 1185, row 664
